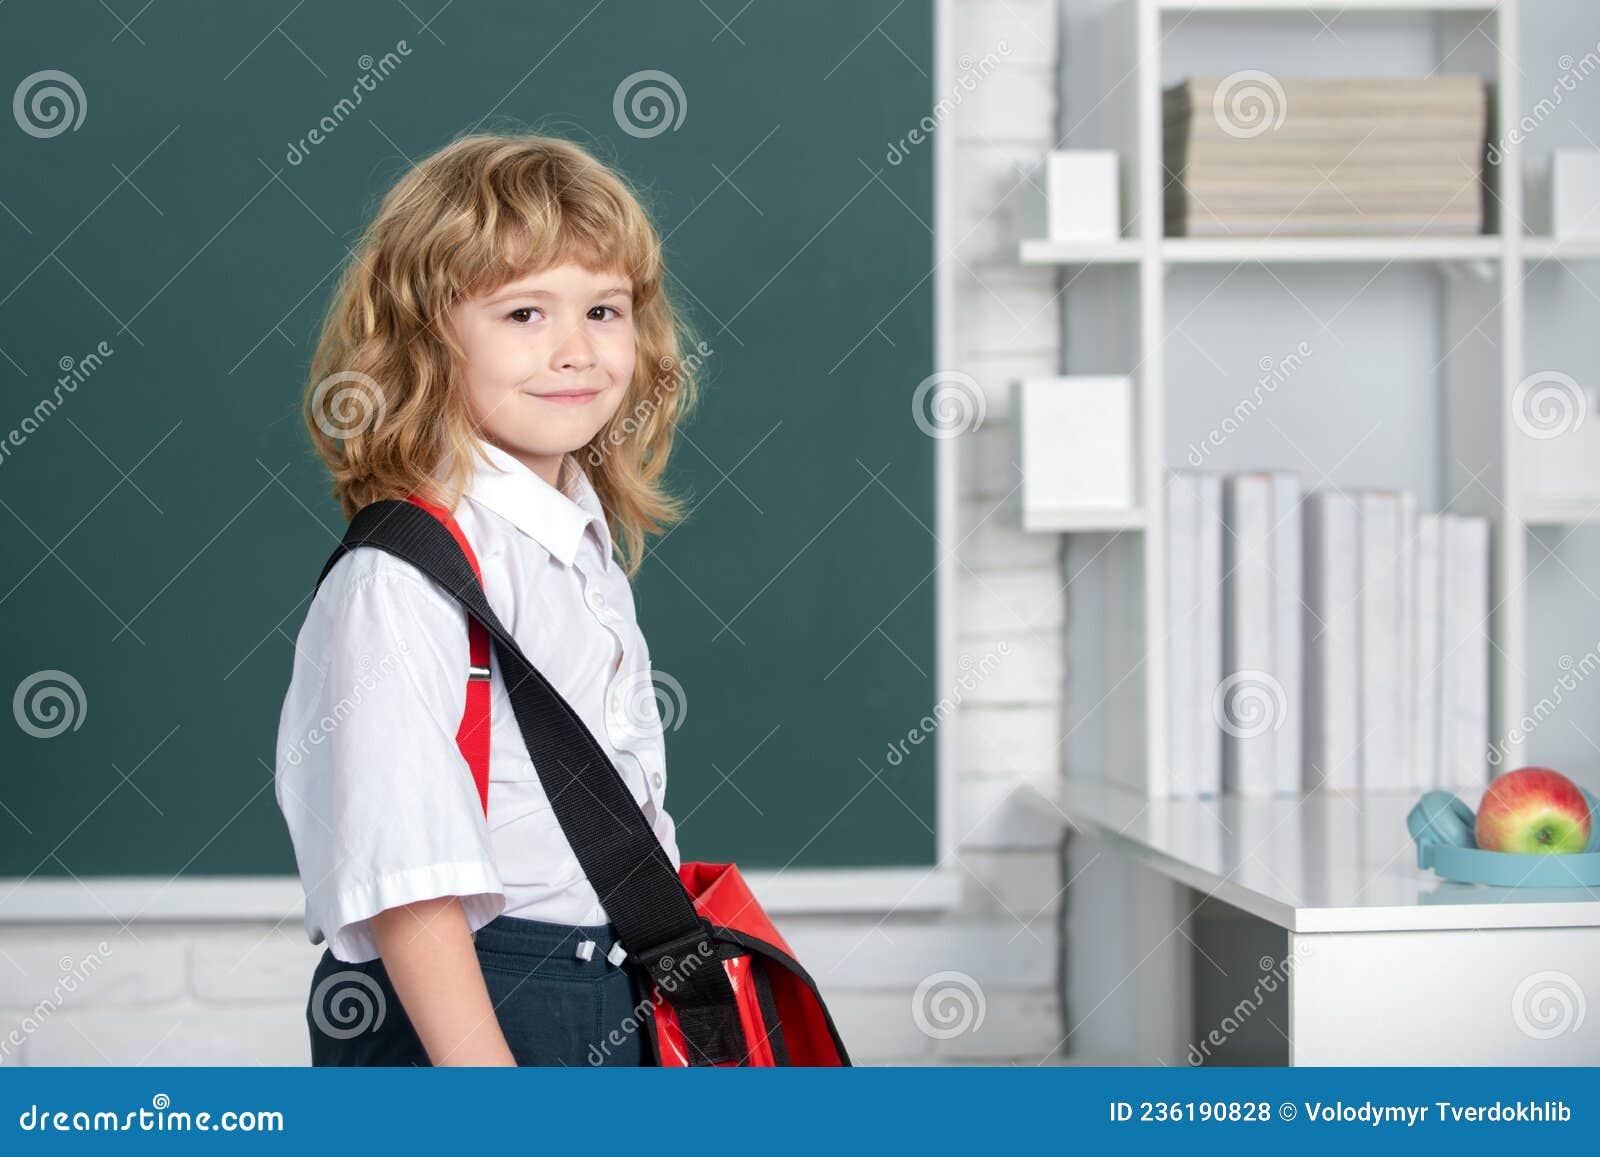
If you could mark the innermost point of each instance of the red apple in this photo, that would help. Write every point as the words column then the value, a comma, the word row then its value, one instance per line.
column 1533, row 809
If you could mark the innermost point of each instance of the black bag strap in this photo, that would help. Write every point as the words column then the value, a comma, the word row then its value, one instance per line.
column 628, row 868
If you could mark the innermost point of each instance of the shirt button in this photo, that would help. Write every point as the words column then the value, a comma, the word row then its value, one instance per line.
column 655, row 778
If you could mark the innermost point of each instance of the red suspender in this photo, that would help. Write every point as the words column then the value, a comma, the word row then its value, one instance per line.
column 473, row 734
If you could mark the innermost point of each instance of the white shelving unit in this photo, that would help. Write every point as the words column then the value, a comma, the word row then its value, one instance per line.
column 1482, row 297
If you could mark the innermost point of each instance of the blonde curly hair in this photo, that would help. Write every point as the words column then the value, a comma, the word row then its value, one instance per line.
column 385, row 403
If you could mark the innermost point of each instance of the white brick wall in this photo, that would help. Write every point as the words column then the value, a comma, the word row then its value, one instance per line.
column 171, row 993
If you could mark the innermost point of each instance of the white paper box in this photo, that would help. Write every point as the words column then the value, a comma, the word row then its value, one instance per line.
column 1564, row 465
column 1575, row 193
column 1073, row 439
column 1071, row 195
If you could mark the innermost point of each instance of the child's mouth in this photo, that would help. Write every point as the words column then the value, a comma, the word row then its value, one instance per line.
column 570, row 397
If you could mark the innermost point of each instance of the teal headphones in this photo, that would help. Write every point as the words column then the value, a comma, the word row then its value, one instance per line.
column 1442, row 827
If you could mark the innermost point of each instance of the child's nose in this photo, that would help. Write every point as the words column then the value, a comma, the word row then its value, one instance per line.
column 575, row 350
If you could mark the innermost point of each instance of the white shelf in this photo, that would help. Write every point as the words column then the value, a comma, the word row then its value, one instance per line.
column 1084, row 519
column 1550, row 512
column 1337, row 6
column 1042, row 252
column 1560, row 249
column 1280, row 250
column 1321, row 862
column 1327, row 250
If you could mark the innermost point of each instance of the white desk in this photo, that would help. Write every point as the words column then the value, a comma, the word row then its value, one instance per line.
column 1384, row 963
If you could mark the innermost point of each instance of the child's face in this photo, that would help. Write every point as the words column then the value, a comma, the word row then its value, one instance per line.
column 549, row 358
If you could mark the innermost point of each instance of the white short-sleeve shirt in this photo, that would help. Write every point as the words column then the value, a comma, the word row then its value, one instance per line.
column 379, row 801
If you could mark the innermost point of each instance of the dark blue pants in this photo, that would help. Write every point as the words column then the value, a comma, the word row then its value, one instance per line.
column 554, row 1008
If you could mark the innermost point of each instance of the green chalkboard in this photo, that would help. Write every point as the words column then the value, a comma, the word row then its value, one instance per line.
column 166, row 258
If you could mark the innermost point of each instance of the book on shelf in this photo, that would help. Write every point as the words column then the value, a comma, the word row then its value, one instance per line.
column 1327, row 640
column 1183, row 633
column 1389, row 127
column 1328, row 225
column 1325, row 199
column 1239, row 157
column 1289, row 108
column 1330, row 171
column 1194, row 626
column 1379, row 643
column 1426, row 662
column 1324, row 155
column 1464, row 703
column 1252, row 702
column 1332, row 641
column 1209, row 581
column 1247, row 751
column 1406, row 527
column 1287, row 644
column 1448, row 94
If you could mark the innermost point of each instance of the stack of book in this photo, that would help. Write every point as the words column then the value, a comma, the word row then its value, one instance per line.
column 1397, row 652
column 1330, row 156
column 1326, row 641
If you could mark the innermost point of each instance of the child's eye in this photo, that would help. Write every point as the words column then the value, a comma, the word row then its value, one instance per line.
column 516, row 314
column 618, row 312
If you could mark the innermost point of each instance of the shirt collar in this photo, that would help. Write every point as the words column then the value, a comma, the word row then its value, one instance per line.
column 555, row 519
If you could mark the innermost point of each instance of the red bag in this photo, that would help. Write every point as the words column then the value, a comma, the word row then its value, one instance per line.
column 725, row 988
column 780, row 1011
